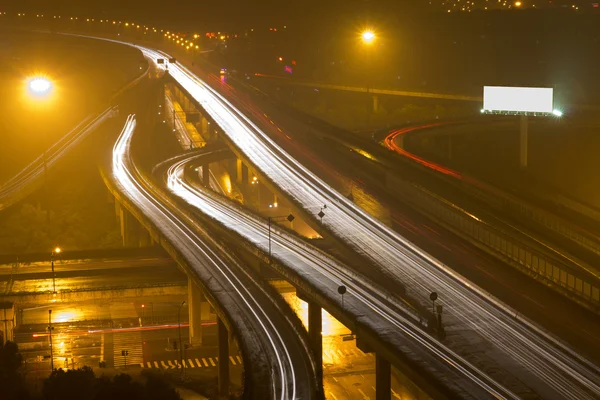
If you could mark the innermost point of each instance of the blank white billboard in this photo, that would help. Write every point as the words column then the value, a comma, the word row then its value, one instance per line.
column 517, row 99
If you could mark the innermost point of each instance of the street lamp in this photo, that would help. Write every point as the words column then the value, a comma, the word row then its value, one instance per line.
column 39, row 86
column 290, row 218
column 180, row 344
column 368, row 37
column 50, row 329
column 56, row 250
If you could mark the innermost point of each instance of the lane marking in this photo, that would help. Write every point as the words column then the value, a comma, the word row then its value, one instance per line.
column 365, row 397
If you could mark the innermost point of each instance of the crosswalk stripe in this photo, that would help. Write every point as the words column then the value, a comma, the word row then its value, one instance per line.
column 189, row 363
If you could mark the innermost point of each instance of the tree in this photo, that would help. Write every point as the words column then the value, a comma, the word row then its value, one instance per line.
column 10, row 359
column 11, row 382
column 82, row 384
column 72, row 384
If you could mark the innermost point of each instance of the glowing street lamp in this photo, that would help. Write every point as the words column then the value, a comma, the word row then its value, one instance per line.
column 368, row 36
column 56, row 250
column 39, row 86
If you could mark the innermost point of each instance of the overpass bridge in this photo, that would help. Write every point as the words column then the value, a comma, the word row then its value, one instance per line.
column 248, row 150
column 254, row 163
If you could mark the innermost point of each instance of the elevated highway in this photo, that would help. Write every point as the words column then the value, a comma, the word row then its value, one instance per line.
column 398, row 258
column 556, row 370
column 278, row 363
column 380, row 320
column 31, row 177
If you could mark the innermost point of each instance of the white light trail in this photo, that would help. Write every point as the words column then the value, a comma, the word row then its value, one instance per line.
column 559, row 370
column 193, row 248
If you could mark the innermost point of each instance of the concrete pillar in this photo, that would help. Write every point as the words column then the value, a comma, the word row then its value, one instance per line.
column 145, row 239
column 205, row 175
column 523, row 142
column 204, row 129
column 314, row 330
column 375, row 103
column 223, row 358
column 195, row 300
column 242, row 172
column 383, row 378
column 130, row 229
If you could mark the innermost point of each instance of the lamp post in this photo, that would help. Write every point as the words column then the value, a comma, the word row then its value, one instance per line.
column 39, row 87
column 50, row 329
column 290, row 218
column 368, row 37
column 180, row 344
column 56, row 250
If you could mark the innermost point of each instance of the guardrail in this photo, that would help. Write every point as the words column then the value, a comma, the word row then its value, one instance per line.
column 505, row 201
column 570, row 281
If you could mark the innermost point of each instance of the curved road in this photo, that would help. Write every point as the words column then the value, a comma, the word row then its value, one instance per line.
column 278, row 363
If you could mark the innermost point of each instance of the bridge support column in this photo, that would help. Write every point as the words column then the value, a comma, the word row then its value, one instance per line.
column 130, row 227
column 204, row 126
column 375, row 103
column 523, row 142
column 145, row 238
column 242, row 172
column 223, row 358
column 383, row 378
column 315, row 330
column 195, row 300
column 205, row 175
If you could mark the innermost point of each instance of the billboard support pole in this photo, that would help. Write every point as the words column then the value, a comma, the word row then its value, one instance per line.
column 523, row 142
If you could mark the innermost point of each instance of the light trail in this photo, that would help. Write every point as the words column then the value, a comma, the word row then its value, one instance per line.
column 550, row 367
column 243, row 304
column 326, row 273
column 467, row 308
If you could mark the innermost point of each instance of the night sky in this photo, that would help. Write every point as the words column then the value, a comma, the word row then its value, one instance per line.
column 237, row 12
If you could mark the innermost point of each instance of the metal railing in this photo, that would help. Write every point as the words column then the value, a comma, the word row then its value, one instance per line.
column 569, row 280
